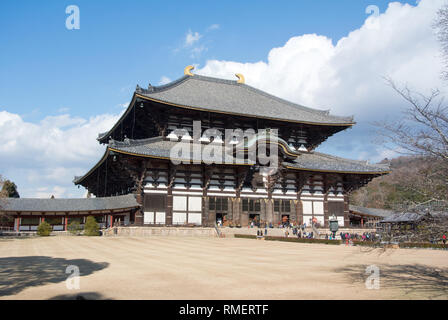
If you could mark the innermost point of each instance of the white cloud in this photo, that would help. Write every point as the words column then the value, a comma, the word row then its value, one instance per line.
column 347, row 77
column 196, row 51
column 51, row 152
column 191, row 38
column 213, row 27
column 193, row 42
column 164, row 80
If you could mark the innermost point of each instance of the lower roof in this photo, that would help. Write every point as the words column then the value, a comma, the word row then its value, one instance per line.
column 160, row 148
column 68, row 205
column 371, row 211
column 414, row 216
column 313, row 161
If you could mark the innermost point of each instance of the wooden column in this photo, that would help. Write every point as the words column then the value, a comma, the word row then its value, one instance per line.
column 236, row 203
column 208, row 218
column 346, row 212
column 299, row 209
column 139, row 180
column 65, row 221
column 17, row 223
column 230, row 210
column 273, row 217
column 139, row 212
column 169, row 207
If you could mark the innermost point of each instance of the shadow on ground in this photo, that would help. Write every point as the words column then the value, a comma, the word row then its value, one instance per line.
column 81, row 296
column 421, row 280
column 19, row 273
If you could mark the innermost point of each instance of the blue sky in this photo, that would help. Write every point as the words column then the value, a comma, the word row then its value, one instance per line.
column 63, row 84
column 122, row 43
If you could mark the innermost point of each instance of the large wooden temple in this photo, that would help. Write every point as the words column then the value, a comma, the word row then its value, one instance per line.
column 186, row 172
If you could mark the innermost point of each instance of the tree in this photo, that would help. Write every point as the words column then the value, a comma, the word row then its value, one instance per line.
column 5, row 219
column 74, row 227
column 423, row 131
column 91, row 228
column 413, row 180
column 44, row 229
column 9, row 189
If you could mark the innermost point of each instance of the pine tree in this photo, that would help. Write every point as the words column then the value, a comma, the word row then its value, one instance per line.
column 10, row 189
column 91, row 228
column 44, row 229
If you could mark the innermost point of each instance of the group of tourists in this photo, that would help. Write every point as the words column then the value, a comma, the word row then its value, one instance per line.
column 296, row 229
column 366, row 236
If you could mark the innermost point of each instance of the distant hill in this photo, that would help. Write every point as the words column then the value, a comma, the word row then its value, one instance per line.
column 412, row 180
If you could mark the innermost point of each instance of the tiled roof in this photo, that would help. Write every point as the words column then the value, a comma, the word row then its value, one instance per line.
column 371, row 211
column 414, row 216
column 159, row 148
column 324, row 162
column 68, row 205
column 227, row 96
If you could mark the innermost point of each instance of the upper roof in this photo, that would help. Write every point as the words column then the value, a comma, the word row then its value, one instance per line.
column 230, row 97
column 68, row 205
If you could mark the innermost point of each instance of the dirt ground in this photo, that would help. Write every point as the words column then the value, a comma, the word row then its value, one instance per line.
column 207, row 268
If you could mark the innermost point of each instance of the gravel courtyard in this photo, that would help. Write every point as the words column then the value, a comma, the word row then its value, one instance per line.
column 212, row 268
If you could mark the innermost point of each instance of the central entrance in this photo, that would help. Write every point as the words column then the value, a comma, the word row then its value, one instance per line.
column 255, row 218
column 252, row 207
column 219, row 206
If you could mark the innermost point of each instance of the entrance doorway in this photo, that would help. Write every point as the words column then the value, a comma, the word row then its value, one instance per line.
column 255, row 218
column 219, row 218
column 219, row 206
column 285, row 219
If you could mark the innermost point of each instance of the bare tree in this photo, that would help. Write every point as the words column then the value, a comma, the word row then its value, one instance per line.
column 424, row 128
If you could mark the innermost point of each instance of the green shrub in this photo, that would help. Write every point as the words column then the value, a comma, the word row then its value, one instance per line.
column 91, row 228
column 290, row 239
column 44, row 229
column 303, row 240
column 74, row 227
column 245, row 236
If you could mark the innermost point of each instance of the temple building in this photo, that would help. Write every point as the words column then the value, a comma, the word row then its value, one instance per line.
column 307, row 185
column 193, row 152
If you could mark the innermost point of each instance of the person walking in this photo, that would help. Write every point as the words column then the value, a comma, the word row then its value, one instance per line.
column 444, row 239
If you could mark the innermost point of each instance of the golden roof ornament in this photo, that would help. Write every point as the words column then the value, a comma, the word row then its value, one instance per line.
column 240, row 77
column 187, row 71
